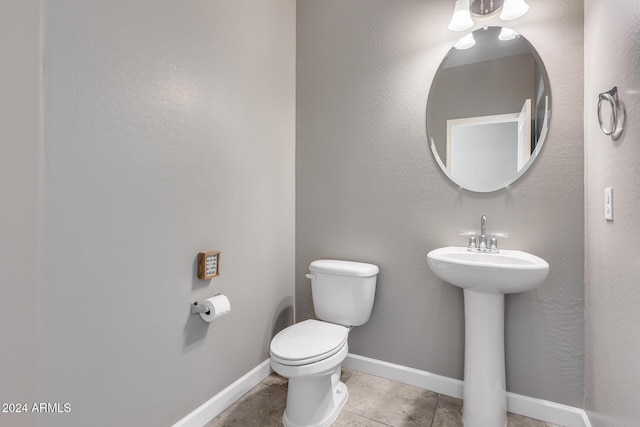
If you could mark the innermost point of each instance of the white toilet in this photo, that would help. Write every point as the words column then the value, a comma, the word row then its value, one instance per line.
column 310, row 353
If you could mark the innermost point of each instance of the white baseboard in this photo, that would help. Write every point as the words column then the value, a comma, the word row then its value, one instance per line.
column 544, row 410
column 221, row 401
column 405, row 375
column 550, row 412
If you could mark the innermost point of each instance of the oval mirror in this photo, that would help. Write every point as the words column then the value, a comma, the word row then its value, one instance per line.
column 488, row 109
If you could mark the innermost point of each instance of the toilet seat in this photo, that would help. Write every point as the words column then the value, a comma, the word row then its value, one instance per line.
column 308, row 342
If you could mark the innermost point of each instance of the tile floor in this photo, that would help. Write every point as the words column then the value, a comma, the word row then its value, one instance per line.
column 373, row 402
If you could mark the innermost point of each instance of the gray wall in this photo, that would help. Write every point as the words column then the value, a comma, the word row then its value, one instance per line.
column 368, row 189
column 19, row 147
column 612, row 383
column 168, row 130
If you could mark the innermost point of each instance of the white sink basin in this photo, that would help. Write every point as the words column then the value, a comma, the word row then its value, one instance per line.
column 485, row 278
column 506, row 272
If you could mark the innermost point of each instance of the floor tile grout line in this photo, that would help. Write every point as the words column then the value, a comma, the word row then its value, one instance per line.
column 366, row 418
column 435, row 410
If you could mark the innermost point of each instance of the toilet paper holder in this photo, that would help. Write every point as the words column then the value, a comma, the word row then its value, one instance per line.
column 197, row 308
column 211, row 308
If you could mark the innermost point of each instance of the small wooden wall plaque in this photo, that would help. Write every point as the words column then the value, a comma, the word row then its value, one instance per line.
column 208, row 265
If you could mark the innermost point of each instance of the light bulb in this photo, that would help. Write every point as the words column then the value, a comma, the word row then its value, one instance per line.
column 512, row 9
column 461, row 19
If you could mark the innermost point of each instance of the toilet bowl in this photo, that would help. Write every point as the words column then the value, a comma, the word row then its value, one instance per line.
column 310, row 353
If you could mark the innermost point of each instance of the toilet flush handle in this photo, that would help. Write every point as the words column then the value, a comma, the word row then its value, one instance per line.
column 311, row 276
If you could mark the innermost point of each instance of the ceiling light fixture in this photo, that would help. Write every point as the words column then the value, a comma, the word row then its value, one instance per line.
column 465, row 9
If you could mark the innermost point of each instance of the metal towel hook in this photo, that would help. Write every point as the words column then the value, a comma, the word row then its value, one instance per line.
column 611, row 97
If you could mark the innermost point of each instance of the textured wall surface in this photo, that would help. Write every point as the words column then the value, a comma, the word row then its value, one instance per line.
column 19, row 147
column 168, row 130
column 368, row 188
column 612, row 58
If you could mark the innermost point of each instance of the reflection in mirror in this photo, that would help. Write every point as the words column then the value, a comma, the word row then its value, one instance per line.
column 488, row 109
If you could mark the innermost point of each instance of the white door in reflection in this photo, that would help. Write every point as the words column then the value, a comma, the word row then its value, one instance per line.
column 488, row 151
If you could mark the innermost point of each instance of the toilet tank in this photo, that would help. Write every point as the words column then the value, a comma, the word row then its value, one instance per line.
column 343, row 291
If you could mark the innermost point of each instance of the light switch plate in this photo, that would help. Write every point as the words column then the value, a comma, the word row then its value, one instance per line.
column 208, row 264
column 608, row 203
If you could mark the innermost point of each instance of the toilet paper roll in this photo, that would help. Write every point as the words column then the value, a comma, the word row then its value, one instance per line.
column 218, row 306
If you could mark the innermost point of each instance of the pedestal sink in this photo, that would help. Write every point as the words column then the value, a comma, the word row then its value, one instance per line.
column 485, row 278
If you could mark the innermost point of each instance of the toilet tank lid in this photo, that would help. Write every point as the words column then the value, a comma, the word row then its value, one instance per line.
column 343, row 268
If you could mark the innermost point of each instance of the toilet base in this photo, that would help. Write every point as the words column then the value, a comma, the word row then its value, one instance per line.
column 315, row 395
column 314, row 401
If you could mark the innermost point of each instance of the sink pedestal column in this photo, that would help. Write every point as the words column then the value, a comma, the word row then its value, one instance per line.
column 484, row 393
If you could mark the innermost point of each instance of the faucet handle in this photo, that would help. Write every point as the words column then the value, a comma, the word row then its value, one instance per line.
column 472, row 246
column 472, row 243
column 493, row 242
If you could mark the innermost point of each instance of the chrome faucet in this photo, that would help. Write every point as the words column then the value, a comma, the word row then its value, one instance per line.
column 482, row 245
